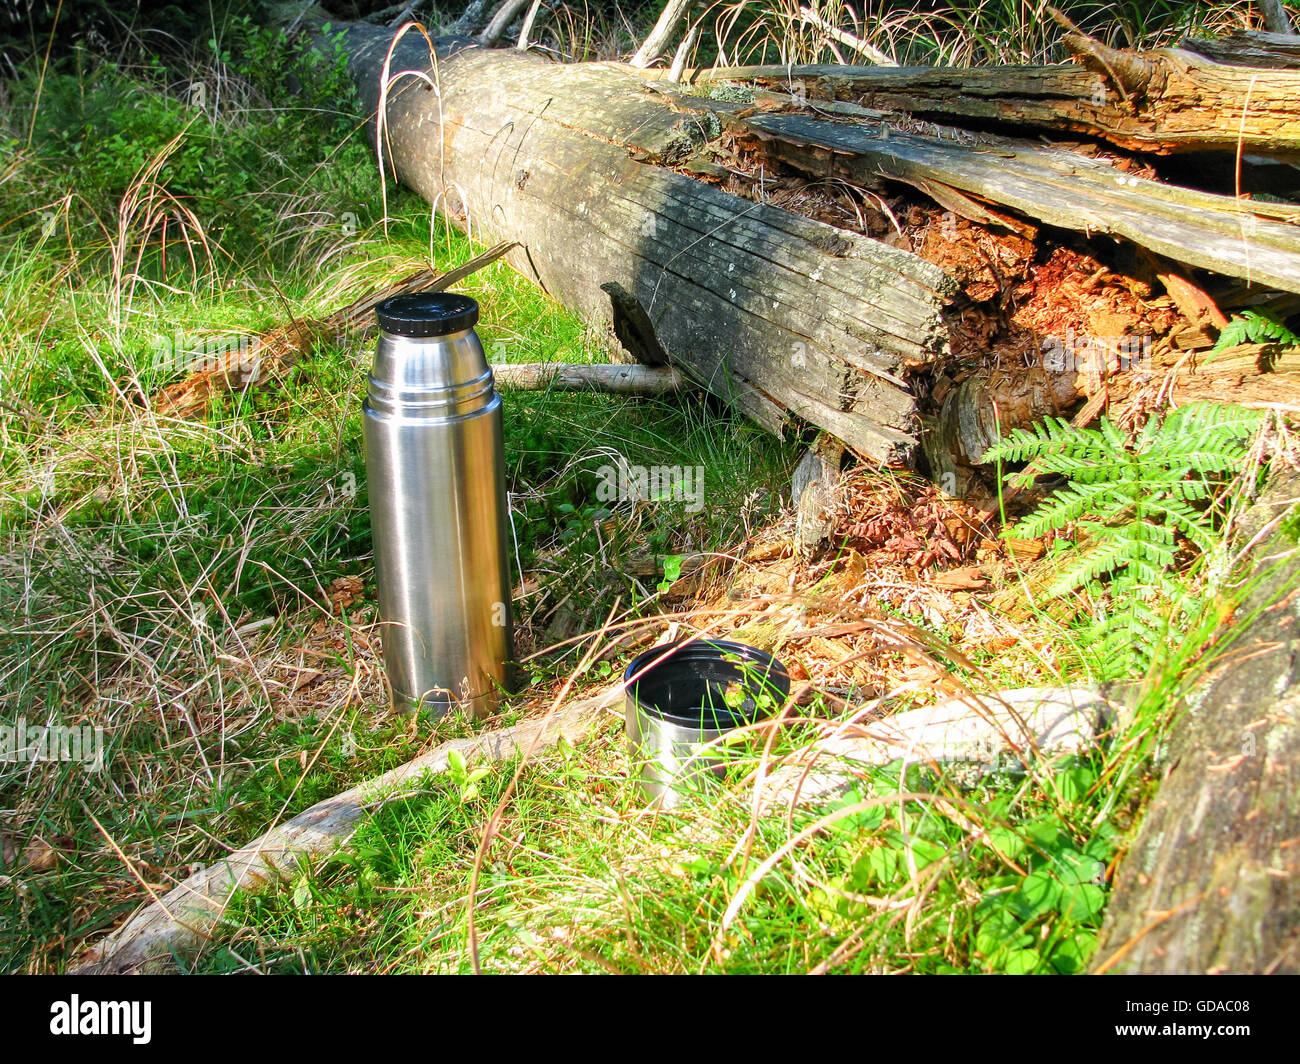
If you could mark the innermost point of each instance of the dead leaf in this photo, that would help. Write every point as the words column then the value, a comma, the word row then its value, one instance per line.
column 344, row 591
column 39, row 855
column 305, row 678
column 766, row 552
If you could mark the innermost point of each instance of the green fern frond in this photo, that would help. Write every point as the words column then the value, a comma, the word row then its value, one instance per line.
column 1192, row 490
column 1129, row 636
column 1190, row 522
column 1068, row 505
column 1089, row 565
column 1132, row 501
column 1115, row 439
column 1023, row 445
column 1255, row 326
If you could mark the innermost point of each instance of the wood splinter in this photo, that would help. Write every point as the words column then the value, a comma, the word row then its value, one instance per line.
column 617, row 379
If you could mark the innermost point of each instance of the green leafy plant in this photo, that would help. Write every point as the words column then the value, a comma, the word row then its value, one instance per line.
column 1255, row 327
column 1046, row 920
column 1042, row 885
column 1132, row 504
column 672, row 571
column 464, row 778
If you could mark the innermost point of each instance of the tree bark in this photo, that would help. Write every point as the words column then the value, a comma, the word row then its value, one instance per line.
column 774, row 312
column 1249, row 48
column 1212, row 883
column 472, row 18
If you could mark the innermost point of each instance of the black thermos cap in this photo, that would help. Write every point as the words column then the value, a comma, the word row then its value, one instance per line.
column 427, row 314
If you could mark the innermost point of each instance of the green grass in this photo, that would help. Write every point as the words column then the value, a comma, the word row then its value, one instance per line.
column 912, row 32
column 1006, row 877
column 169, row 582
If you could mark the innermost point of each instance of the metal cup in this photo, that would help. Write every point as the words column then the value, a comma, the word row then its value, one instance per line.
column 681, row 696
column 436, row 480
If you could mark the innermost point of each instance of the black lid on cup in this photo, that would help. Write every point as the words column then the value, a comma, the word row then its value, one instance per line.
column 427, row 314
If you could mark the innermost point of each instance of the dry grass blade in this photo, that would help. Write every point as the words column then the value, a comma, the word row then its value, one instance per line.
column 145, row 207
column 387, row 79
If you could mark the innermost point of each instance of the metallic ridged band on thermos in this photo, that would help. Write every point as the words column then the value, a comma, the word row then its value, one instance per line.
column 436, row 480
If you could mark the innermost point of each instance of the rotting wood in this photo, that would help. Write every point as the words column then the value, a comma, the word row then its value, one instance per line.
column 592, row 175
column 812, row 491
column 973, row 411
column 177, row 926
column 1259, row 242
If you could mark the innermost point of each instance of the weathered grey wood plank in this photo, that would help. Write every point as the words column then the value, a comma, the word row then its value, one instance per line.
column 1167, row 100
column 1251, row 48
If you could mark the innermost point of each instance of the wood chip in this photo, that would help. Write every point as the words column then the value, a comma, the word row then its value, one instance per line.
column 968, row 578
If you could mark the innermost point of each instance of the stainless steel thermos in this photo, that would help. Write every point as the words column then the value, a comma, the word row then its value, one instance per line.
column 436, row 479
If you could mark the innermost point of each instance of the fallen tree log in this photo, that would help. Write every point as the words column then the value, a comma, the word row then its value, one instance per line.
column 775, row 312
column 610, row 182
column 1212, row 882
